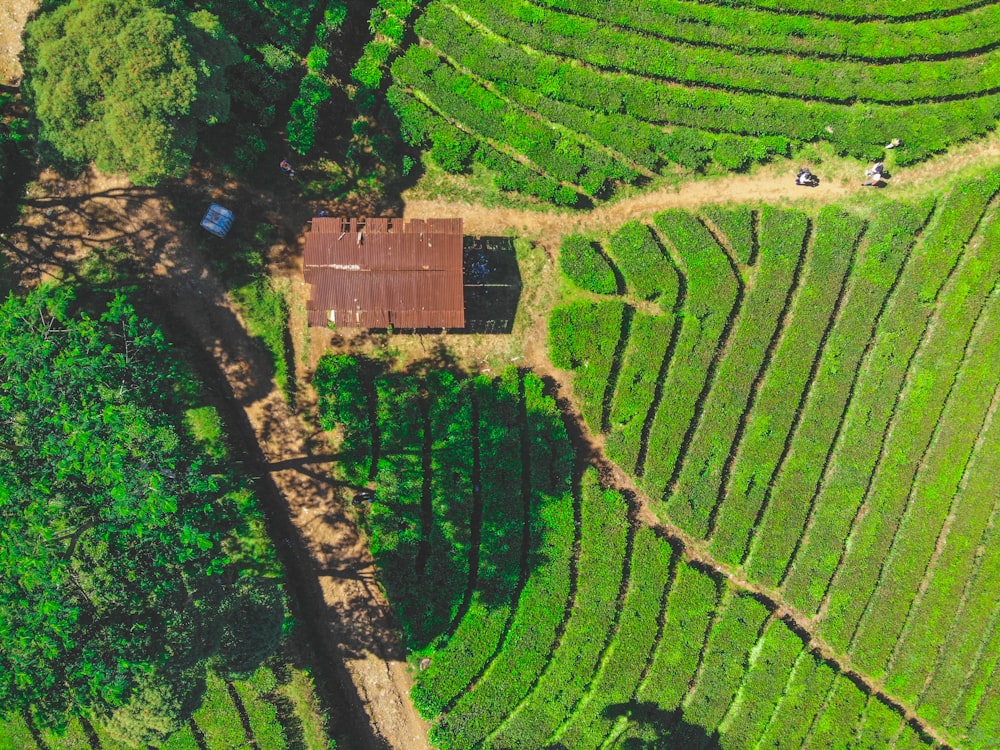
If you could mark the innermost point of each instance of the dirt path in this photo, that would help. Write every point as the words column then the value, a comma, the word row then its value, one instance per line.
column 327, row 560
column 772, row 184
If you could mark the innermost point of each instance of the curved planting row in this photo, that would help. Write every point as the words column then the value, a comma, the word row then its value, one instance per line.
column 749, row 29
column 824, row 417
column 562, row 99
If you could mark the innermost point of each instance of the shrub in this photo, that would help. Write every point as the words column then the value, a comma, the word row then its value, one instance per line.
column 452, row 149
column 586, row 266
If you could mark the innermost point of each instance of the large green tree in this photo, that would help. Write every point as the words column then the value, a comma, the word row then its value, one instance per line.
column 115, row 586
column 128, row 83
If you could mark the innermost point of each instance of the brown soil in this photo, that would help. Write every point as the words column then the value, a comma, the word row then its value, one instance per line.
column 13, row 15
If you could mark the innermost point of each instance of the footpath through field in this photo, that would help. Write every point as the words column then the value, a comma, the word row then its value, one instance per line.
column 771, row 185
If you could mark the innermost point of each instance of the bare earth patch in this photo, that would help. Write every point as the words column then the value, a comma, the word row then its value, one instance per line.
column 13, row 15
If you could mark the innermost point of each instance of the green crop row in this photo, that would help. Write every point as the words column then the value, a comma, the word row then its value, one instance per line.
column 263, row 717
column 606, row 47
column 344, row 405
column 978, row 692
column 644, row 359
column 388, row 23
column 451, row 489
column 932, row 618
column 600, row 576
column 786, row 506
column 395, row 529
column 874, row 396
column 985, row 728
column 942, row 470
column 648, row 272
column 968, row 639
column 858, row 9
column 691, row 603
column 626, row 657
column 737, row 227
column 910, row 739
column 879, row 725
column 858, row 129
column 583, row 337
column 724, row 665
column 460, row 96
column 781, row 394
column 835, row 727
column 808, row 686
column 770, row 668
column 585, row 266
column 713, row 292
column 529, row 642
column 782, row 241
column 475, row 640
column 749, row 30
column 915, row 420
column 583, row 99
column 420, row 124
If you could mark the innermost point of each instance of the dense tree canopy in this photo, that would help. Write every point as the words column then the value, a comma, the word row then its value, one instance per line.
column 115, row 584
column 125, row 83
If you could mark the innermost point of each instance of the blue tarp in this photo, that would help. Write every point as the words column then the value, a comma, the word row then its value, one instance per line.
column 218, row 220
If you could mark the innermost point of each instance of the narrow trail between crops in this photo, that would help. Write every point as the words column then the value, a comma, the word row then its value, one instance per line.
column 771, row 184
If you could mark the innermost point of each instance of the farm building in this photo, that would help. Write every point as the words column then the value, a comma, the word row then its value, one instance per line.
column 385, row 273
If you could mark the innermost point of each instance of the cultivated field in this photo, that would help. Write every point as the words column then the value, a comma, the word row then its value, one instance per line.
column 812, row 399
column 564, row 99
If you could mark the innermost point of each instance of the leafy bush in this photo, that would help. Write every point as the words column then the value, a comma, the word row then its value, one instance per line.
column 452, row 149
column 585, row 266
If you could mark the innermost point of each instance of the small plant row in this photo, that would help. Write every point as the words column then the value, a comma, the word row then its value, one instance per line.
column 933, row 493
column 542, row 605
column 747, row 29
column 387, row 23
column 724, row 664
column 474, row 642
column 780, row 397
column 858, row 129
column 460, row 97
column 783, row 515
column 584, row 337
column 874, row 401
column 782, row 243
column 626, row 658
column 736, row 223
column 805, row 692
column 841, row 81
column 933, row 620
column 713, row 297
column 601, row 567
column 879, row 726
column 586, row 266
column 453, row 148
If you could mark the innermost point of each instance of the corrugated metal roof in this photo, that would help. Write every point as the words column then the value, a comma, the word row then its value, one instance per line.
column 376, row 273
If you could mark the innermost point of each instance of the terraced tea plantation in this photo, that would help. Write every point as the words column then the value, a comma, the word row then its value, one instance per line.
column 812, row 399
column 541, row 613
column 567, row 98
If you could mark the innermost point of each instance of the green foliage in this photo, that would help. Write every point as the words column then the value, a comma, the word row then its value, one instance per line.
column 317, row 60
column 111, row 604
column 580, row 260
column 303, row 115
column 265, row 309
column 647, row 271
column 159, row 706
column 660, row 84
column 126, row 84
column 254, row 615
column 452, row 149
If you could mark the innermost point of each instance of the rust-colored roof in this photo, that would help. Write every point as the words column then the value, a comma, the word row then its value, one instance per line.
column 377, row 273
